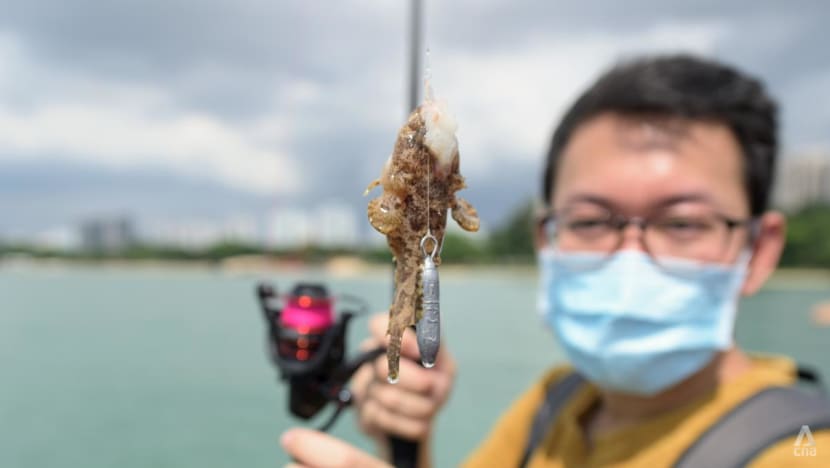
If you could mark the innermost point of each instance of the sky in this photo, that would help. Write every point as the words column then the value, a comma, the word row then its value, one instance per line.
column 171, row 109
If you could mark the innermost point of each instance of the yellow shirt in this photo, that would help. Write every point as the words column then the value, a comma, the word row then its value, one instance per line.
column 655, row 443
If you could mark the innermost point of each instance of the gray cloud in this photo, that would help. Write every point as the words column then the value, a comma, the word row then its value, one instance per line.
column 332, row 78
column 37, row 196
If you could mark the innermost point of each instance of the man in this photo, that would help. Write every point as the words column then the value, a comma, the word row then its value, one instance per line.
column 656, row 189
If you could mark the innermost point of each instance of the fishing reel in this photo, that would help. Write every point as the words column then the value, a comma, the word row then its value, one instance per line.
column 307, row 343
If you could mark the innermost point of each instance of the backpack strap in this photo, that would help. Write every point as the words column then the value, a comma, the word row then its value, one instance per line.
column 769, row 416
column 766, row 418
column 557, row 396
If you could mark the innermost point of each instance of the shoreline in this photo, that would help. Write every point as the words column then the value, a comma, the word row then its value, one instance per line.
column 343, row 266
column 338, row 266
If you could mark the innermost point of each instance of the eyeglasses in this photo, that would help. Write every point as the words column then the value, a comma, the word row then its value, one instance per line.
column 699, row 236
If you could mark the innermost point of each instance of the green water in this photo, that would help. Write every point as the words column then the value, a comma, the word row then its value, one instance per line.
column 106, row 367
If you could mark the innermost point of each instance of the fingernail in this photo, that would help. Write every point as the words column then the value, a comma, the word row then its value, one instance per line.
column 286, row 437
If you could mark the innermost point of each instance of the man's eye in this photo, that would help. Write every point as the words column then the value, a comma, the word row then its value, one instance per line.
column 588, row 224
column 684, row 225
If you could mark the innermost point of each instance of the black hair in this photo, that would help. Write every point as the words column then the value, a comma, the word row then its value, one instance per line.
column 686, row 87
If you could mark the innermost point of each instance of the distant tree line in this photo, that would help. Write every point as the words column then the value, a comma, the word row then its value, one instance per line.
column 808, row 238
column 808, row 245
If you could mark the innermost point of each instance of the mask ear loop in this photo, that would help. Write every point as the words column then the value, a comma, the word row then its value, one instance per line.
column 744, row 262
column 745, row 258
column 754, row 229
column 754, row 236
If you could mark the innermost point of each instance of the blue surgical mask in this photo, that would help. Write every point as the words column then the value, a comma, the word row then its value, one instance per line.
column 632, row 326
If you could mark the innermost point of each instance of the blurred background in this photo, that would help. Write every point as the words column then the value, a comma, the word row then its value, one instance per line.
column 158, row 158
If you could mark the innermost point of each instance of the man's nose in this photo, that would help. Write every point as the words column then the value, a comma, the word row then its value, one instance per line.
column 632, row 236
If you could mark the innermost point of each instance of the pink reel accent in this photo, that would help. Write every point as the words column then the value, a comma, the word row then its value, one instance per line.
column 306, row 314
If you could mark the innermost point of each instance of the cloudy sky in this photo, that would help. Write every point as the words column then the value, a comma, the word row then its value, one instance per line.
column 172, row 108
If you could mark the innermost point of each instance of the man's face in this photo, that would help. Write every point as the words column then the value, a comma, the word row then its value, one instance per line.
column 674, row 173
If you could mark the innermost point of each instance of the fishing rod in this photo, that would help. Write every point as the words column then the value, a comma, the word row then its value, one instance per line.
column 405, row 451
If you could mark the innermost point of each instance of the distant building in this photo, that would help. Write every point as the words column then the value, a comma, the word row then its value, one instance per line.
column 336, row 226
column 202, row 233
column 107, row 235
column 243, row 229
column 59, row 237
column 331, row 224
column 802, row 180
column 288, row 228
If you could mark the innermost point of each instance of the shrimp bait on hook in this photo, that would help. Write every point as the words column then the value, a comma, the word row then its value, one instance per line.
column 419, row 183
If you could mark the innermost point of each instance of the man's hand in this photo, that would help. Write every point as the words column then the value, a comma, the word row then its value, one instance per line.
column 310, row 448
column 407, row 408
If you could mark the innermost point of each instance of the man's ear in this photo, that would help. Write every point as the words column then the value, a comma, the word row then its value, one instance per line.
column 766, row 251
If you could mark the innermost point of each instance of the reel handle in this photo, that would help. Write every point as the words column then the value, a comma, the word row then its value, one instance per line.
column 404, row 452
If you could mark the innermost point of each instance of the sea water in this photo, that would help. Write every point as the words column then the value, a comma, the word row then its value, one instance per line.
column 106, row 367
